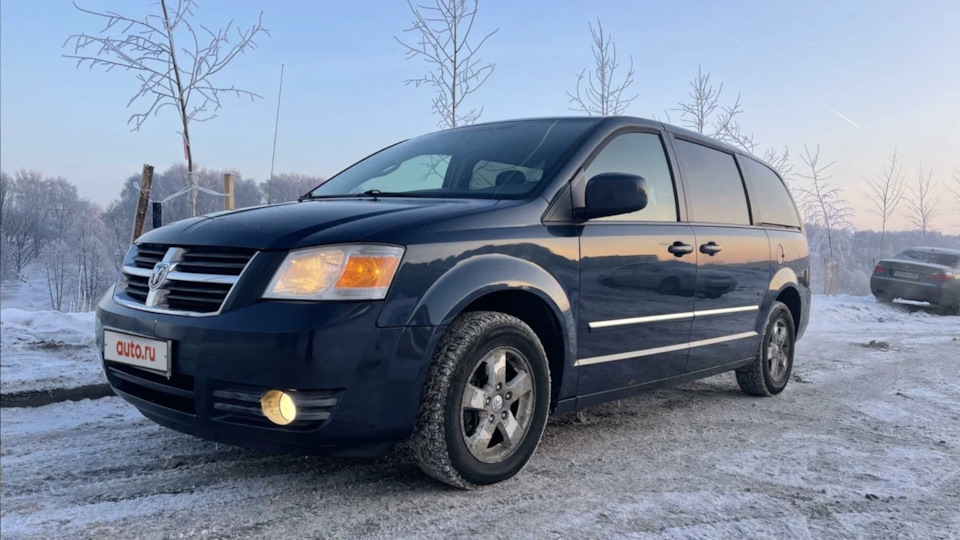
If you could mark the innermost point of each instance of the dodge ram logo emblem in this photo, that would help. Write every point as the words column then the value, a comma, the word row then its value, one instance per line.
column 159, row 275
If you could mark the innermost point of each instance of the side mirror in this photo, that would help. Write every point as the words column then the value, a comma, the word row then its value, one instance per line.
column 612, row 194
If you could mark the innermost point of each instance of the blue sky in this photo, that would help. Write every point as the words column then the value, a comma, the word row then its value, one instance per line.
column 892, row 67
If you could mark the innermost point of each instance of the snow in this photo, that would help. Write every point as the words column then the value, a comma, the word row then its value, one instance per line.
column 42, row 350
column 864, row 443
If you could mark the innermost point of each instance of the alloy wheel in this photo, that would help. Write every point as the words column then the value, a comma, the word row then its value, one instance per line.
column 496, row 409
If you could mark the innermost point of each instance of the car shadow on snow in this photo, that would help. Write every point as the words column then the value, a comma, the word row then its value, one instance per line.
column 657, row 414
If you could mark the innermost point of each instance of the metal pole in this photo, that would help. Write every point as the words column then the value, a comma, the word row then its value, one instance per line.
column 276, row 129
column 157, row 214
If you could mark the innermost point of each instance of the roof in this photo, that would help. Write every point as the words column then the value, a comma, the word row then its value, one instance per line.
column 935, row 250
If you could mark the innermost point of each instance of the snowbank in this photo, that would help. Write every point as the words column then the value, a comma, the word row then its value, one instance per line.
column 43, row 350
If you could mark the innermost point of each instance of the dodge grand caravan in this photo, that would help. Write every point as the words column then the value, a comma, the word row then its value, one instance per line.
column 452, row 290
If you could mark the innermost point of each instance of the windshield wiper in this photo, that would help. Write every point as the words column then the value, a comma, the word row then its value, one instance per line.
column 375, row 193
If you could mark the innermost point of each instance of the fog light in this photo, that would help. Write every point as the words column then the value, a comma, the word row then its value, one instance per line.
column 278, row 407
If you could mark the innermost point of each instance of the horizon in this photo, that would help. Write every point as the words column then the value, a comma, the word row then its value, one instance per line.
column 804, row 73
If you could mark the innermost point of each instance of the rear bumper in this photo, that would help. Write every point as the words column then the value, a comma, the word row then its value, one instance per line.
column 370, row 378
column 947, row 294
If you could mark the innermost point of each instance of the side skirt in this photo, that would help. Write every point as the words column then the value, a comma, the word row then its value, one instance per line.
column 597, row 398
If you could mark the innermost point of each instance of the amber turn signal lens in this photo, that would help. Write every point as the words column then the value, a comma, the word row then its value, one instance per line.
column 368, row 272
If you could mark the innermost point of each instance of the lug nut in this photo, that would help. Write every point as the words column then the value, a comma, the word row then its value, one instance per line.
column 509, row 395
column 504, row 415
column 488, row 401
column 498, row 386
column 492, row 418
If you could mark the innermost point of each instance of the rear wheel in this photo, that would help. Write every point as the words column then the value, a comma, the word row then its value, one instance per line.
column 485, row 401
column 952, row 310
column 770, row 371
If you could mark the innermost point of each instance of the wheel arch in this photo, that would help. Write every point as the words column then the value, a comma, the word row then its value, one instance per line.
column 496, row 282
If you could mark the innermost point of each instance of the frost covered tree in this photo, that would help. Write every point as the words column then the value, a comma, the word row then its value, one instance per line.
column 885, row 192
column 56, row 257
column 823, row 205
column 184, row 77
column 442, row 38
column 288, row 187
column 704, row 113
column 780, row 161
column 24, row 228
column 923, row 201
column 92, row 264
column 956, row 187
column 602, row 92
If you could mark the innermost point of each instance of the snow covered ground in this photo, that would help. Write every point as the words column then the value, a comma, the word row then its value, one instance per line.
column 43, row 350
column 864, row 443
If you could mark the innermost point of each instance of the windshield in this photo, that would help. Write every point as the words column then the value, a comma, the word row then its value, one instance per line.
column 493, row 161
column 945, row 259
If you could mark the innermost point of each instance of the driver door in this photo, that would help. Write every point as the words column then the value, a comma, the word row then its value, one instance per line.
column 636, row 298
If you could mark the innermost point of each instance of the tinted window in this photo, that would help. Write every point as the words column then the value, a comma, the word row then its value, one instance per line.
column 519, row 156
column 945, row 259
column 641, row 154
column 493, row 173
column 713, row 185
column 770, row 196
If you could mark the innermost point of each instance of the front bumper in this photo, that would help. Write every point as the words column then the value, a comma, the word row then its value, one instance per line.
column 945, row 294
column 370, row 378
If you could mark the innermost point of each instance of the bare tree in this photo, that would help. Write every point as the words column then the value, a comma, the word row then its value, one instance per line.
column 443, row 40
column 886, row 192
column 600, row 92
column 956, row 180
column 24, row 226
column 780, row 161
column 923, row 202
column 704, row 114
column 824, row 205
column 183, row 78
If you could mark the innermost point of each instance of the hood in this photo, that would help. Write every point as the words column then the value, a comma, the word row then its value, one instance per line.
column 309, row 223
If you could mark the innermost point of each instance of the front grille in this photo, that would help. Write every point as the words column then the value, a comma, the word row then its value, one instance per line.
column 174, row 393
column 197, row 280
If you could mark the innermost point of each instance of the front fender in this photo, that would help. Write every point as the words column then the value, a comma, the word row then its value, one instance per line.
column 480, row 275
column 477, row 276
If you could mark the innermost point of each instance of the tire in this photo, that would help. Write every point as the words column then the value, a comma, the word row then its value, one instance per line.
column 951, row 310
column 453, row 415
column 883, row 299
column 763, row 377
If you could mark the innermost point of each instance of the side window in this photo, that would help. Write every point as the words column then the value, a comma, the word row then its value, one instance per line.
column 415, row 174
column 641, row 154
column 712, row 184
column 770, row 195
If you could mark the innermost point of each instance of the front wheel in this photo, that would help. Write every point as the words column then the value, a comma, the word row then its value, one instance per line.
column 770, row 371
column 484, row 403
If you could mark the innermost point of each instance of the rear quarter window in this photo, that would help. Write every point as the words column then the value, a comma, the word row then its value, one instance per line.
column 770, row 196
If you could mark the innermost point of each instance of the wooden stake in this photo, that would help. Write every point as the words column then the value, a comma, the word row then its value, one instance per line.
column 140, row 218
column 228, row 202
column 826, row 277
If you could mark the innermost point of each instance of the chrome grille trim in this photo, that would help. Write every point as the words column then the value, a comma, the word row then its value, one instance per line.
column 157, row 297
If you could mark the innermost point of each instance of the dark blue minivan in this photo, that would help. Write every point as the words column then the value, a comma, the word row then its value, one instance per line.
column 451, row 291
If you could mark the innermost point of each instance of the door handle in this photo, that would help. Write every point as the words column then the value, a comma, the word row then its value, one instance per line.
column 680, row 249
column 710, row 248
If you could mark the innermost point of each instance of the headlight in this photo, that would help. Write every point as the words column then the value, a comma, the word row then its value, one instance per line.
column 355, row 272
